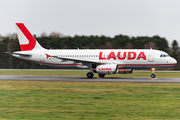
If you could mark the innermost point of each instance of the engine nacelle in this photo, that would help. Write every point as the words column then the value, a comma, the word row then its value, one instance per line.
column 107, row 69
column 125, row 71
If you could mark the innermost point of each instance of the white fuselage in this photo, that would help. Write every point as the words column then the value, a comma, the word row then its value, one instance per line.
column 100, row 61
column 124, row 58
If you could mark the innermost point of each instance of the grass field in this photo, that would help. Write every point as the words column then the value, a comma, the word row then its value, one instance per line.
column 163, row 74
column 35, row 100
column 49, row 100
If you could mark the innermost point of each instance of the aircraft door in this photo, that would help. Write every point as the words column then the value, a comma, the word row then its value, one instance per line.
column 42, row 56
column 151, row 56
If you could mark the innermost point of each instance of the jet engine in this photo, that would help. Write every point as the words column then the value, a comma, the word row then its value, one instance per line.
column 125, row 71
column 107, row 69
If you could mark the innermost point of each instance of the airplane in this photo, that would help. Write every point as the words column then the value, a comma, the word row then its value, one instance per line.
column 101, row 61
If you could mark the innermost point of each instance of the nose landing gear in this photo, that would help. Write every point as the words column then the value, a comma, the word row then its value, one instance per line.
column 152, row 73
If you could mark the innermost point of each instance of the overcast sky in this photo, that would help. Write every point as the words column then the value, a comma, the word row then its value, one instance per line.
column 93, row 17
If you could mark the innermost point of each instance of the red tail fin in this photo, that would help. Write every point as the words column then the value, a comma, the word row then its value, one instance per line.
column 26, row 40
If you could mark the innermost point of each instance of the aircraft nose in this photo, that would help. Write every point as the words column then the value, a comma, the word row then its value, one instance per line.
column 174, row 61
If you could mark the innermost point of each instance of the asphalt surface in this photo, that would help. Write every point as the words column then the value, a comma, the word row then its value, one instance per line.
column 95, row 79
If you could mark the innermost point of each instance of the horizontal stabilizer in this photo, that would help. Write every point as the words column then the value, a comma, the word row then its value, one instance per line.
column 25, row 55
column 22, row 54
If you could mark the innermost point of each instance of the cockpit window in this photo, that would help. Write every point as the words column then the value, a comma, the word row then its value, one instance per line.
column 164, row 55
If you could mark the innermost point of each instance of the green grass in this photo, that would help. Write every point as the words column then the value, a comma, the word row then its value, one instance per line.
column 35, row 100
column 40, row 100
column 84, row 72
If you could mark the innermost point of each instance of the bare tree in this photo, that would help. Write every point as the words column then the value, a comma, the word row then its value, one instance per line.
column 150, row 45
column 56, row 34
column 129, row 46
column 43, row 34
column 12, row 36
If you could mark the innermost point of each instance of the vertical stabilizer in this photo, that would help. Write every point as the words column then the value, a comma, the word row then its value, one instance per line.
column 26, row 40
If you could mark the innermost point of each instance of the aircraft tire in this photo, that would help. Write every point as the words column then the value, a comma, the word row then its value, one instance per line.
column 153, row 75
column 90, row 75
column 101, row 75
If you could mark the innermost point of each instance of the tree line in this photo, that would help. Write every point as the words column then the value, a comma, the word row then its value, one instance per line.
column 58, row 41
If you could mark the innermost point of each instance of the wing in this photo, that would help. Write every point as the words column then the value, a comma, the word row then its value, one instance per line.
column 84, row 61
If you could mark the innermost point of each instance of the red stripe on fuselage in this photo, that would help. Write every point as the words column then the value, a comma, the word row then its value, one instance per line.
column 28, row 35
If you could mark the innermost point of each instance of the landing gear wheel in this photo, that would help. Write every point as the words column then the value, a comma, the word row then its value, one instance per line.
column 153, row 75
column 152, row 71
column 90, row 75
column 101, row 75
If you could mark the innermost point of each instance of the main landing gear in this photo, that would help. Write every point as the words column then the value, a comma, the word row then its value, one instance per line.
column 101, row 75
column 90, row 75
column 152, row 73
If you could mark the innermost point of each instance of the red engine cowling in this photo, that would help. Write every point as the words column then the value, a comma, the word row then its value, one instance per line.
column 125, row 71
column 107, row 69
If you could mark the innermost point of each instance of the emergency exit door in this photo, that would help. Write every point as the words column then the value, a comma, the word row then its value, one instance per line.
column 151, row 56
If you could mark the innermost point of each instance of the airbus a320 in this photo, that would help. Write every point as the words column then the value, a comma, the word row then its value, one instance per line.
column 101, row 61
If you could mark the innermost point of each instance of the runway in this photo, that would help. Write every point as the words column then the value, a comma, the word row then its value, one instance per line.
column 95, row 79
